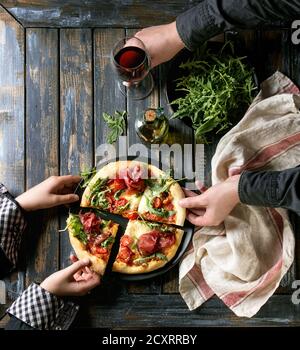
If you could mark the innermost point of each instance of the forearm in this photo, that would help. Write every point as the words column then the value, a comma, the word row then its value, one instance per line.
column 271, row 189
column 212, row 17
column 36, row 308
column 12, row 226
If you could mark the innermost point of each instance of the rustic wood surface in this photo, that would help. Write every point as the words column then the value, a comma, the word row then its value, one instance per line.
column 54, row 86
column 95, row 13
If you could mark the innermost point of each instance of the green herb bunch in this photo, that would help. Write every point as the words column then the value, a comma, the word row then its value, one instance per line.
column 217, row 89
column 116, row 123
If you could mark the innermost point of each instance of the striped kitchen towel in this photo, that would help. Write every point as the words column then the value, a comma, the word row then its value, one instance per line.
column 244, row 260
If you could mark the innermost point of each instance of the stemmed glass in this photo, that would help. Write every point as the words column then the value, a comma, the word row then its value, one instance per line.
column 132, row 65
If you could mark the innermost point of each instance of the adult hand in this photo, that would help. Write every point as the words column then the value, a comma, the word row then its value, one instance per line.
column 162, row 42
column 76, row 280
column 212, row 207
column 56, row 190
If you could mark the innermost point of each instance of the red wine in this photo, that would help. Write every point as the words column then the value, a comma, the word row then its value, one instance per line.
column 130, row 57
column 132, row 63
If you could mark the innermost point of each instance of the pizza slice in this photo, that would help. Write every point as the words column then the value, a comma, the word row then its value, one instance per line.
column 117, row 188
column 160, row 199
column 146, row 246
column 92, row 237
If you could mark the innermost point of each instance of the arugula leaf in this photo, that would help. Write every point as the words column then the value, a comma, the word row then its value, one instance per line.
column 217, row 90
column 87, row 175
column 116, row 123
column 110, row 240
column 160, row 212
column 160, row 227
column 77, row 228
column 146, row 259
column 98, row 191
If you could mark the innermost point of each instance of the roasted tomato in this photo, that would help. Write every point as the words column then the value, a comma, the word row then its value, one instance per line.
column 117, row 184
column 125, row 254
column 125, row 241
column 157, row 203
column 120, row 202
column 131, row 215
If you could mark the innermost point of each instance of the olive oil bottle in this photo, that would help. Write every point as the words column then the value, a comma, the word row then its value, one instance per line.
column 152, row 125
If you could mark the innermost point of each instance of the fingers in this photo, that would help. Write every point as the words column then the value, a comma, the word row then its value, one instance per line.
column 189, row 193
column 192, row 202
column 197, row 211
column 75, row 267
column 69, row 180
column 73, row 258
column 90, row 283
column 200, row 185
column 65, row 198
column 196, row 219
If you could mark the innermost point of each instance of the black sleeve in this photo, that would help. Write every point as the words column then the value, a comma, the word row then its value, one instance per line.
column 271, row 188
column 12, row 226
column 212, row 17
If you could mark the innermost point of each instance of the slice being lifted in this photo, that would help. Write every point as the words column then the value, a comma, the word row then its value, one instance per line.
column 117, row 188
column 92, row 237
column 160, row 199
column 146, row 246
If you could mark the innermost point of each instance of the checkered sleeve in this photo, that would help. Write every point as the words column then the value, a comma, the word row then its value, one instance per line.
column 42, row 310
column 12, row 225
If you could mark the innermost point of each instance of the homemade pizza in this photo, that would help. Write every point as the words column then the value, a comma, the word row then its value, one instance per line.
column 92, row 237
column 134, row 189
column 145, row 195
column 146, row 246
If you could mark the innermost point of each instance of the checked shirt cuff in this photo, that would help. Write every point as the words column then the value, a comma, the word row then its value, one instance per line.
column 42, row 310
column 12, row 225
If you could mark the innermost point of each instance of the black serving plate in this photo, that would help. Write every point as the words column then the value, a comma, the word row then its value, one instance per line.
column 186, row 239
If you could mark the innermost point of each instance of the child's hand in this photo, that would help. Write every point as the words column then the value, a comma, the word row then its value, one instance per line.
column 75, row 280
column 212, row 207
column 56, row 190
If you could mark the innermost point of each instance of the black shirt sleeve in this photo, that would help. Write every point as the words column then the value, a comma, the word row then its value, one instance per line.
column 212, row 17
column 271, row 189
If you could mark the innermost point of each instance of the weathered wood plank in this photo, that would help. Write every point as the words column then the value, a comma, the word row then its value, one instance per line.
column 137, row 311
column 76, row 110
column 42, row 127
column 135, row 108
column 12, row 168
column 95, row 13
column 107, row 97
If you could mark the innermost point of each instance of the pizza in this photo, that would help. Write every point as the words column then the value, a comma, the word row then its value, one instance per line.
column 146, row 246
column 133, row 189
column 145, row 195
column 117, row 188
column 92, row 237
column 159, row 202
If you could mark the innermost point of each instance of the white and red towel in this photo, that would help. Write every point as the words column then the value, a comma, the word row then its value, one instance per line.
column 244, row 260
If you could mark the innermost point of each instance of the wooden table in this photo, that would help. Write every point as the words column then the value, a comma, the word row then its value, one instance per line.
column 55, row 83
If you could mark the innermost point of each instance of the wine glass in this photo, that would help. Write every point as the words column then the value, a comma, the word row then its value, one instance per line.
column 132, row 65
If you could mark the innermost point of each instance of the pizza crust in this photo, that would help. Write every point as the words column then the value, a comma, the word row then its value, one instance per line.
column 136, row 228
column 98, row 265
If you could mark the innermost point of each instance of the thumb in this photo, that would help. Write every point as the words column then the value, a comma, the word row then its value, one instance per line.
column 66, row 198
column 72, row 269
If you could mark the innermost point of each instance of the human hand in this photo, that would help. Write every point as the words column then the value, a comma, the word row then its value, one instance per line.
column 162, row 42
column 56, row 190
column 75, row 280
column 212, row 207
